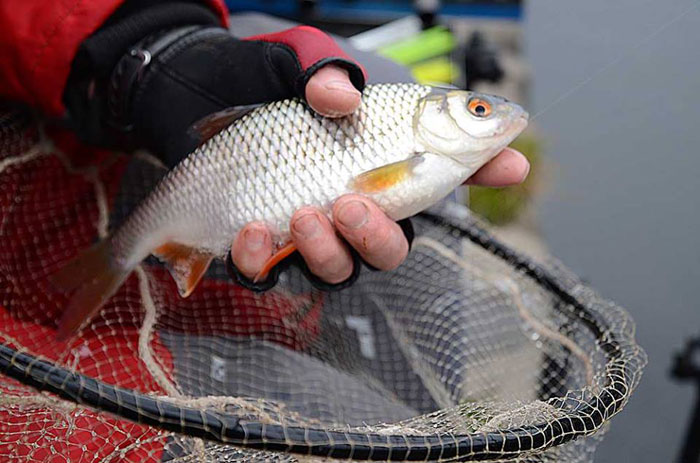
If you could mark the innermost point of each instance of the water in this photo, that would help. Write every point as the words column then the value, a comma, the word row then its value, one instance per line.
column 622, row 207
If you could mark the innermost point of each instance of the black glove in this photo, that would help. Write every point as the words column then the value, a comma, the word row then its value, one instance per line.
column 296, row 260
column 157, row 67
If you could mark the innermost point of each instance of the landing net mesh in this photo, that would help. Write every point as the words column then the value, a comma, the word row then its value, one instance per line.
column 467, row 351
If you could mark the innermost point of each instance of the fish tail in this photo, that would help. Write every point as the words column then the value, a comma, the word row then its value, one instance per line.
column 93, row 277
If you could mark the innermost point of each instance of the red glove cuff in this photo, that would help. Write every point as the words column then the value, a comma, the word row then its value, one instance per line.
column 314, row 49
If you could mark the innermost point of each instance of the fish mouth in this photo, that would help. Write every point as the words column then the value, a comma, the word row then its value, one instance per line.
column 519, row 124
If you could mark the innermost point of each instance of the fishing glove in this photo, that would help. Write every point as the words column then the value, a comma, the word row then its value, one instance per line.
column 157, row 66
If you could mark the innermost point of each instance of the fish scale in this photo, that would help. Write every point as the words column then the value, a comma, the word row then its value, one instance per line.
column 280, row 182
column 405, row 148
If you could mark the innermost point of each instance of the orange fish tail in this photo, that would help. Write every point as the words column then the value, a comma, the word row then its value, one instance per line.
column 93, row 277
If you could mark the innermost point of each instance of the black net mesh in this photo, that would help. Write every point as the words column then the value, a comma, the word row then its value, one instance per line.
column 468, row 351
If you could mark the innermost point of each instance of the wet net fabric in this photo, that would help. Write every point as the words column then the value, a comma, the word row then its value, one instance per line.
column 468, row 351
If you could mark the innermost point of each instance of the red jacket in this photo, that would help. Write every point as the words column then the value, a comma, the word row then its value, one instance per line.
column 47, row 214
column 39, row 39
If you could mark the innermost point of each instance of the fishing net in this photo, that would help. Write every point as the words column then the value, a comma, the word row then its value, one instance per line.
column 468, row 351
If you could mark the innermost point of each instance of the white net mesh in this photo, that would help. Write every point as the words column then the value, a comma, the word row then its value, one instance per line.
column 467, row 351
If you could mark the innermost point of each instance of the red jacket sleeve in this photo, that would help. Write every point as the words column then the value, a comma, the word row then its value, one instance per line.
column 39, row 39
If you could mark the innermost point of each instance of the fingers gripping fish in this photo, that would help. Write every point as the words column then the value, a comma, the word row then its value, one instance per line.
column 406, row 147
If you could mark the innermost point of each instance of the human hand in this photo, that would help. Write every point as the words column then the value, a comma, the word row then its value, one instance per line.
column 194, row 71
column 378, row 240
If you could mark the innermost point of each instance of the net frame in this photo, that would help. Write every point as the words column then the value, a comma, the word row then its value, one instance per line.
column 582, row 416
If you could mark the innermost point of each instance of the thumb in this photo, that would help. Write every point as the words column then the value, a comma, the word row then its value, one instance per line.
column 330, row 93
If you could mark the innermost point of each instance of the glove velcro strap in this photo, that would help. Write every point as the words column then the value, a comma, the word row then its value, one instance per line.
column 130, row 70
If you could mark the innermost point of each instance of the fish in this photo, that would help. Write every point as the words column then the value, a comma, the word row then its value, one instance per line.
column 406, row 147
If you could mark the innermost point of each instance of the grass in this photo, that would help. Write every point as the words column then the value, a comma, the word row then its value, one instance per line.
column 501, row 206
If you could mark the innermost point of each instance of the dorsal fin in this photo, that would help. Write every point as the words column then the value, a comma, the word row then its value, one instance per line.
column 210, row 125
column 442, row 86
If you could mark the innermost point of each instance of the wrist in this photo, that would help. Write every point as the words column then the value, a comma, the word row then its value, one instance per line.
column 127, row 81
column 86, row 91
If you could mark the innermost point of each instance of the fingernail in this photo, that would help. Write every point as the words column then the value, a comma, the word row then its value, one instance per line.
column 353, row 214
column 342, row 86
column 307, row 225
column 334, row 113
column 527, row 170
column 254, row 239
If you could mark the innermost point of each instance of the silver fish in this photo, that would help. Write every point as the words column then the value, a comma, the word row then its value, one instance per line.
column 406, row 147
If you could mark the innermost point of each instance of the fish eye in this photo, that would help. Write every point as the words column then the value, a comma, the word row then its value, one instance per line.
column 479, row 107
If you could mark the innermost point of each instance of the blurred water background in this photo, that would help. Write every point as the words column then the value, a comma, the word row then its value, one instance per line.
column 622, row 208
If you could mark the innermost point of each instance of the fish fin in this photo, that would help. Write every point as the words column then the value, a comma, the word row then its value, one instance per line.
column 384, row 177
column 281, row 254
column 186, row 265
column 94, row 276
column 214, row 123
column 442, row 86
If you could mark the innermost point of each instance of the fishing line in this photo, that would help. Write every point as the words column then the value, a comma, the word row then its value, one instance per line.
column 615, row 61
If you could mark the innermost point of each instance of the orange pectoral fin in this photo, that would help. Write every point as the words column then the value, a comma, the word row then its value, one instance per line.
column 384, row 177
column 281, row 254
column 186, row 265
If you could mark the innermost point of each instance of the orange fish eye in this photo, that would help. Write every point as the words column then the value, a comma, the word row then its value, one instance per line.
column 479, row 107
